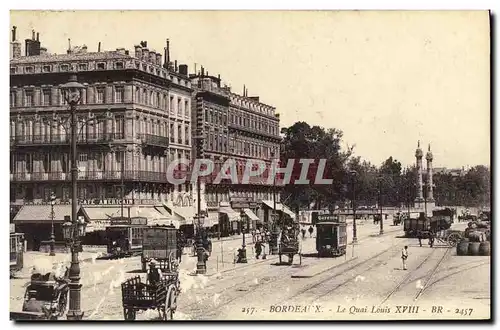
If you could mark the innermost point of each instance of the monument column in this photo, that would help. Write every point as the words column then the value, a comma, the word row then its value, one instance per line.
column 419, row 201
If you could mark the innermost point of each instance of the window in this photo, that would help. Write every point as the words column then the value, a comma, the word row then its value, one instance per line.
column 12, row 70
column 119, row 127
column 119, row 65
column 47, row 68
column 172, row 138
column 64, row 67
column 119, row 94
column 186, row 108
column 101, row 66
column 13, row 98
column 28, row 101
column 100, row 95
column 171, row 104
column 179, row 134
column 29, row 69
column 224, row 120
column 46, row 97
column 82, row 157
column 82, row 67
column 186, row 135
column 179, row 107
column 158, row 102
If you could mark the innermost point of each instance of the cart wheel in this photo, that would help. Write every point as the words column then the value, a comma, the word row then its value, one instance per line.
column 63, row 302
column 170, row 304
column 280, row 257
column 300, row 259
column 453, row 239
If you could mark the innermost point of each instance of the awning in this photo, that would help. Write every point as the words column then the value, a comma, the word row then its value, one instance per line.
column 251, row 215
column 232, row 214
column 95, row 213
column 280, row 207
column 42, row 213
column 163, row 211
column 211, row 220
column 184, row 214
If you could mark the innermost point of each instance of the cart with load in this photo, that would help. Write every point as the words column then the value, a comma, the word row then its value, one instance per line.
column 159, row 243
column 46, row 298
column 290, row 245
column 141, row 296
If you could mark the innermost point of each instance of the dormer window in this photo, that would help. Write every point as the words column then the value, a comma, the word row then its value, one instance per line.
column 100, row 66
column 82, row 67
column 12, row 70
column 29, row 69
column 119, row 65
column 64, row 67
column 47, row 68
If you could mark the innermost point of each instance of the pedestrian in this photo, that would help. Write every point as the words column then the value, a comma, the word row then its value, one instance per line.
column 154, row 273
column 404, row 256
column 303, row 233
column 431, row 239
column 180, row 245
column 258, row 249
column 419, row 236
column 310, row 231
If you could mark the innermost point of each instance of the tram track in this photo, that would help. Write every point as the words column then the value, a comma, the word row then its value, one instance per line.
column 433, row 271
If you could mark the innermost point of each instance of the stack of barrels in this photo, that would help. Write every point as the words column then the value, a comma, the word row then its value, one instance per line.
column 475, row 243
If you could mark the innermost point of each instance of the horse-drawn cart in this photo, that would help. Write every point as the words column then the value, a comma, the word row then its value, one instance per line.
column 140, row 296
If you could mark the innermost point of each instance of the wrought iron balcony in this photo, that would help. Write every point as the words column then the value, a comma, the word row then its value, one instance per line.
column 62, row 139
column 153, row 140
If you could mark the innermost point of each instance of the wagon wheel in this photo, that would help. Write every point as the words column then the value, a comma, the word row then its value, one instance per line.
column 129, row 314
column 453, row 239
column 279, row 253
column 170, row 304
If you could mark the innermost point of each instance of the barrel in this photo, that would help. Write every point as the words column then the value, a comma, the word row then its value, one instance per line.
column 484, row 249
column 462, row 248
column 476, row 236
column 474, row 248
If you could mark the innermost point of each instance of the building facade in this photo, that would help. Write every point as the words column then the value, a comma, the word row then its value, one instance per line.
column 133, row 119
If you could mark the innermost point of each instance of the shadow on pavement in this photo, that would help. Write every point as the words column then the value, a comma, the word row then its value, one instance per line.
column 310, row 255
column 281, row 264
column 135, row 271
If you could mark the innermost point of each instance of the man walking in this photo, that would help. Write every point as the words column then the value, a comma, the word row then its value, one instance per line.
column 310, row 231
column 404, row 256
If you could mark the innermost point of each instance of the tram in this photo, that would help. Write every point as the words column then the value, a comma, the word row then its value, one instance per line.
column 124, row 236
column 16, row 252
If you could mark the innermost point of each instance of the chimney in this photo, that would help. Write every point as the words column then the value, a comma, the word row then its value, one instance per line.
column 244, row 90
column 15, row 45
column 183, row 69
column 218, row 82
column 145, row 54
column 37, row 36
column 175, row 66
column 84, row 49
column 14, row 28
column 138, row 52
column 127, row 52
column 158, row 59
column 69, row 46
column 167, row 58
column 99, row 47
column 202, row 71
column 33, row 35
column 120, row 51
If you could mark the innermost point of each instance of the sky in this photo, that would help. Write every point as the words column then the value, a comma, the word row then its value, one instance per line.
column 386, row 79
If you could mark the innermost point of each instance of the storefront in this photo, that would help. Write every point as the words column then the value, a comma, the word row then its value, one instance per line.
column 228, row 220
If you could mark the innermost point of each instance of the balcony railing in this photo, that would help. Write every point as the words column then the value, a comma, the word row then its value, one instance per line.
column 254, row 131
column 94, row 138
column 155, row 140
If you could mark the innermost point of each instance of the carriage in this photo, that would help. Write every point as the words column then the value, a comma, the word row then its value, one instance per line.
column 124, row 236
column 46, row 298
column 331, row 236
column 141, row 296
column 437, row 227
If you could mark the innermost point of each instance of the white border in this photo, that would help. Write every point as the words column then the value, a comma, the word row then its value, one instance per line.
column 213, row 5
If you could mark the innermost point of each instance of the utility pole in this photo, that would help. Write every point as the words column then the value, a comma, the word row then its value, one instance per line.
column 354, row 229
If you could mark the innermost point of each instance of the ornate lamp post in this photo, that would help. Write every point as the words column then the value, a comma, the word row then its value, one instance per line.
column 243, row 258
column 52, row 215
column 72, row 94
column 354, row 230
column 73, row 231
column 275, row 232
column 201, row 266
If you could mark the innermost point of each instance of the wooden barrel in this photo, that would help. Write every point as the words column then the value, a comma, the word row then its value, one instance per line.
column 484, row 249
column 462, row 248
column 476, row 236
column 474, row 248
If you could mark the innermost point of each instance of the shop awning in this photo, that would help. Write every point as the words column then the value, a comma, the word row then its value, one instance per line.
column 280, row 207
column 251, row 215
column 42, row 214
column 232, row 214
column 184, row 214
column 211, row 220
column 95, row 213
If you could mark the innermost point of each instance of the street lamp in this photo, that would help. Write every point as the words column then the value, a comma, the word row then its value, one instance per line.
column 243, row 256
column 275, row 233
column 201, row 266
column 52, row 215
column 354, row 230
column 72, row 94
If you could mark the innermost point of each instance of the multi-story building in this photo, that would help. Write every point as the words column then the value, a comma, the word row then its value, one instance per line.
column 133, row 118
column 242, row 128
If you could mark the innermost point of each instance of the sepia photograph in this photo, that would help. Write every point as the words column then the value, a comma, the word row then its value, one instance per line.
column 255, row 165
